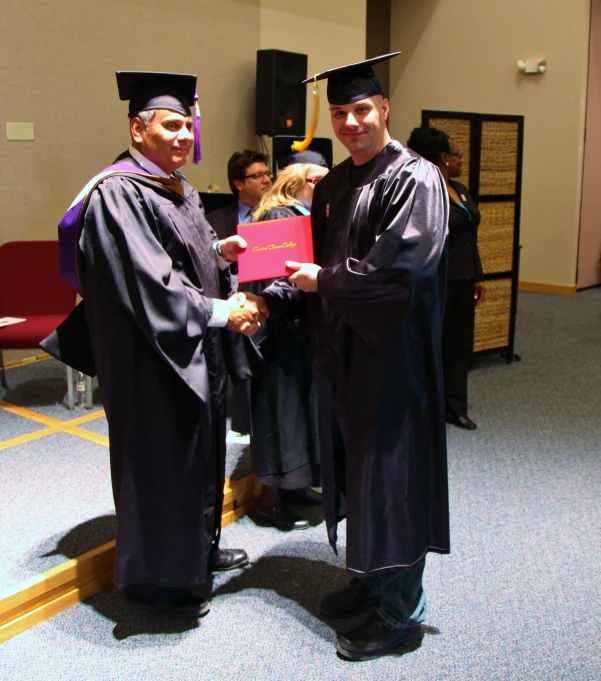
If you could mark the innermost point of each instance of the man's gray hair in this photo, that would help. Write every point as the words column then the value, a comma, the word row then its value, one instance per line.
column 146, row 118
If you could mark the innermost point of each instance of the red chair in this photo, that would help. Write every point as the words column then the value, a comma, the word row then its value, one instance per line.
column 32, row 288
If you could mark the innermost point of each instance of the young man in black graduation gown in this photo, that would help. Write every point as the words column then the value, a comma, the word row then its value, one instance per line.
column 375, row 301
column 148, row 267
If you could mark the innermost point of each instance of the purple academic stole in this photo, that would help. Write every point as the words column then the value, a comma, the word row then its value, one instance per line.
column 69, row 228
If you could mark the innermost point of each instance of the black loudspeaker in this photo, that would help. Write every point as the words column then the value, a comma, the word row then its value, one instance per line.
column 281, row 98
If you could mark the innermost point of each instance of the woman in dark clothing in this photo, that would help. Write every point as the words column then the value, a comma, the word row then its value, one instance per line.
column 283, row 398
column 465, row 279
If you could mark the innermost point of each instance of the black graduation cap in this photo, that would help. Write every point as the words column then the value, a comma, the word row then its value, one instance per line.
column 309, row 156
column 148, row 90
column 319, row 152
column 350, row 83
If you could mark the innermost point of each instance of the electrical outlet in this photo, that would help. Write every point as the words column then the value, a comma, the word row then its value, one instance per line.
column 19, row 132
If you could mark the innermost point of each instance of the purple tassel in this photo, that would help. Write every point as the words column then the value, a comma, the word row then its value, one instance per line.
column 197, row 149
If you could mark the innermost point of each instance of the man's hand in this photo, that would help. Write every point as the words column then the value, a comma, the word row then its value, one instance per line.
column 244, row 315
column 232, row 247
column 479, row 292
column 262, row 308
column 304, row 275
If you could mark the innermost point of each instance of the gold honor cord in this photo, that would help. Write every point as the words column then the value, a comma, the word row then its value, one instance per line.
column 304, row 145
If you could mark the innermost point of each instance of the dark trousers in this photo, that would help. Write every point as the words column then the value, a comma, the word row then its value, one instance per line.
column 457, row 343
column 401, row 594
column 239, row 408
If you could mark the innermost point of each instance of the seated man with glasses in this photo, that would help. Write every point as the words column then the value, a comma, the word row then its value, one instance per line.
column 249, row 178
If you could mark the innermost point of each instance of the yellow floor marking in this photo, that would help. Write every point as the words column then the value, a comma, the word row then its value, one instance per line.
column 28, row 414
column 27, row 438
column 86, row 417
column 54, row 426
column 48, row 420
column 87, row 435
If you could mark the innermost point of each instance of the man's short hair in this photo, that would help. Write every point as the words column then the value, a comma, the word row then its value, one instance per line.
column 239, row 163
column 146, row 117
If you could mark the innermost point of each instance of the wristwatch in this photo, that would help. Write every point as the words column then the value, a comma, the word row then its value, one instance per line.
column 220, row 252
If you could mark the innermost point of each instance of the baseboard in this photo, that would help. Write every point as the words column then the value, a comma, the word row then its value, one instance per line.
column 39, row 598
column 539, row 287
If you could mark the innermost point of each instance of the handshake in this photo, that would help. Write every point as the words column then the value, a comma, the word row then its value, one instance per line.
column 248, row 313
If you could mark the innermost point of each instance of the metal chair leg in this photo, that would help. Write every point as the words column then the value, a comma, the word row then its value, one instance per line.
column 2, row 372
column 89, row 394
column 70, row 403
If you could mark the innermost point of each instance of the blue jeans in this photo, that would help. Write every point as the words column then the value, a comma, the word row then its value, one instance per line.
column 402, row 598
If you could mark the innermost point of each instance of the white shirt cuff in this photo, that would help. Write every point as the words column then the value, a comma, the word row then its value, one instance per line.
column 222, row 263
column 221, row 313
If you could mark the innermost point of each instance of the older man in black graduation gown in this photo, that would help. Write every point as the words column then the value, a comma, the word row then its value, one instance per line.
column 375, row 304
column 148, row 266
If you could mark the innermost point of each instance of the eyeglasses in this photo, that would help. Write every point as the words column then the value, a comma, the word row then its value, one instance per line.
column 258, row 176
column 455, row 153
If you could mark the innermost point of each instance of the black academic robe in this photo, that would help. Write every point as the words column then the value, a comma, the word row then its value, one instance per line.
column 379, row 234
column 283, row 399
column 149, row 273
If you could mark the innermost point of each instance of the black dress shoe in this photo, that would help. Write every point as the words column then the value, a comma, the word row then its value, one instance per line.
column 279, row 516
column 374, row 638
column 301, row 497
column 354, row 599
column 221, row 560
column 168, row 600
column 461, row 421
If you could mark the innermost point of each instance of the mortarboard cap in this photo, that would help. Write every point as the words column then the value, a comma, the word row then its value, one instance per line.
column 309, row 156
column 353, row 82
column 318, row 152
column 147, row 90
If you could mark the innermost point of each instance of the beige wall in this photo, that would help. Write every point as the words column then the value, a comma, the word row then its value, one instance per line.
column 331, row 33
column 462, row 57
column 59, row 61
column 60, row 58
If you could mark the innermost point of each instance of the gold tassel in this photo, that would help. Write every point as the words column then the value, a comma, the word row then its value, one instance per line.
column 304, row 145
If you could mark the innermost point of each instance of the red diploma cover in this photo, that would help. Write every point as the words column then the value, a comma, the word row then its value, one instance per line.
column 271, row 243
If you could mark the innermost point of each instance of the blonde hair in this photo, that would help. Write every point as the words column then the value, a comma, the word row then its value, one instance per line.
column 284, row 189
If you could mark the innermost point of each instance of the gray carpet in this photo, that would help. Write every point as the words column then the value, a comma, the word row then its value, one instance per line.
column 62, row 481
column 59, row 485
column 517, row 599
column 42, row 387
